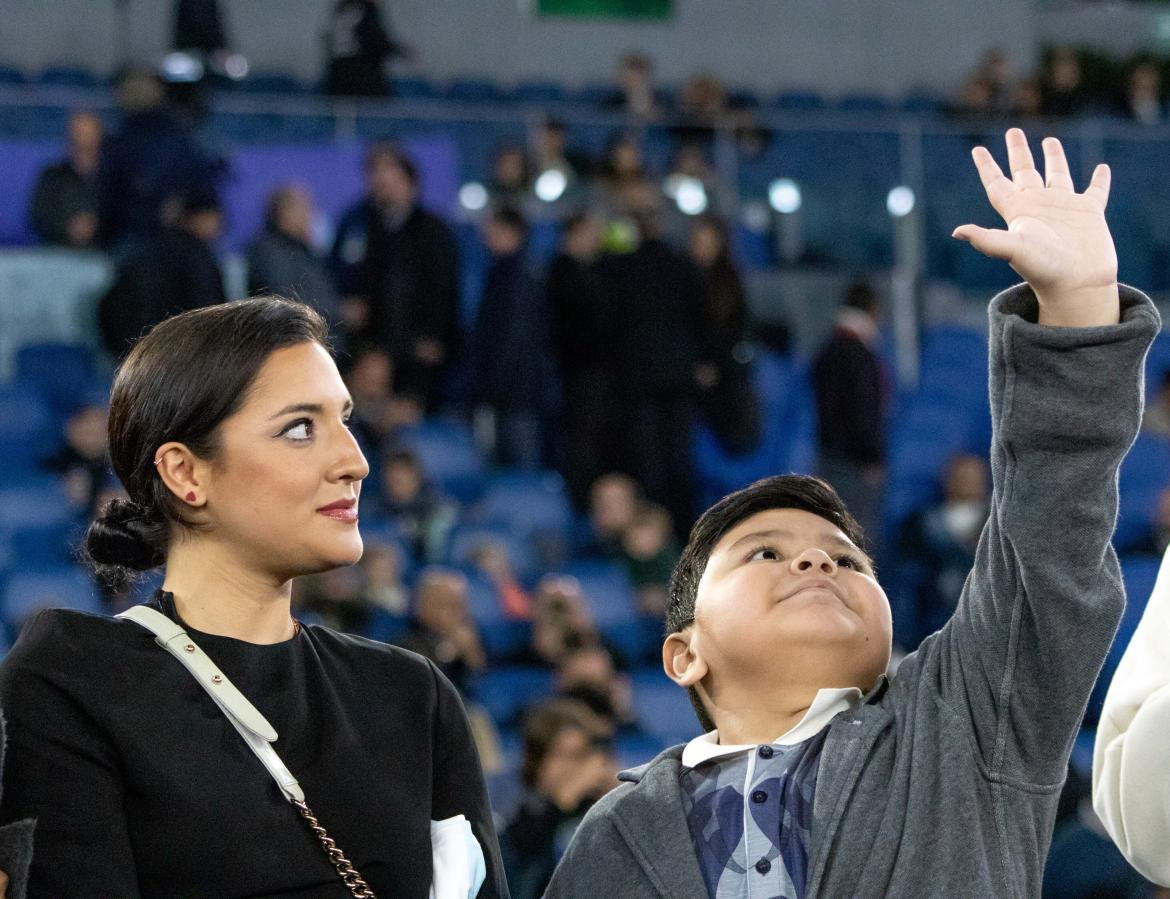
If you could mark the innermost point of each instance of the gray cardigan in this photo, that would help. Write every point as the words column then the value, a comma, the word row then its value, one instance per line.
column 944, row 782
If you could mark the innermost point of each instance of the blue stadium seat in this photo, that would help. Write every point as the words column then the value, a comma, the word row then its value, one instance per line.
column 272, row 83
column 58, row 587
column 636, row 749
column 505, row 692
column 863, row 103
column 608, row 591
column 68, row 76
column 538, row 92
column 591, row 94
column 34, row 502
column 530, row 503
column 414, row 89
column 467, row 536
column 472, row 90
column 923, row 102
column 501, row 636
column 56, row 371
column 52, row 544
column 29, row 432
column 663, row 708
column 799, row 100
column 10, row 75
column 448, row 455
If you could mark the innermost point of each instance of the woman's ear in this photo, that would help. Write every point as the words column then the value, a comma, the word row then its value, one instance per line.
column 181, row 472
column 681, row 660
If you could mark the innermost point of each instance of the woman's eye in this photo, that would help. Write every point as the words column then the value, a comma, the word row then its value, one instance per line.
column 764, row 554
column 301, row 430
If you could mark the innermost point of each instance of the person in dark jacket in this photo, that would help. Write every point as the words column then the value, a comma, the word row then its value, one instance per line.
column 510, row 369
column 397, row 267
column 172, row 272
column 282, row 261
column 657, row 306
column 850, row 396
column 580, row 324
column 358, row 45
column 148, row 163
column 64, row 204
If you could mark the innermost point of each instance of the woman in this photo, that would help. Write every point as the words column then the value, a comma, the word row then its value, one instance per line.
column 228, row 429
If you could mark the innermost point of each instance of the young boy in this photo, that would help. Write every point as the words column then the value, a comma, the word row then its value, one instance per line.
column 821, row 778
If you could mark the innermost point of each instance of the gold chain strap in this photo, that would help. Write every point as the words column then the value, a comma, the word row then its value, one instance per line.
column 345, row 869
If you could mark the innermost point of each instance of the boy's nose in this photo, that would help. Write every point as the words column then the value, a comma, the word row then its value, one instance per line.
column 813, row 559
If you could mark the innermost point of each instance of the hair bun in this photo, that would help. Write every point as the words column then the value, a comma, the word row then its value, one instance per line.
column 126, row 535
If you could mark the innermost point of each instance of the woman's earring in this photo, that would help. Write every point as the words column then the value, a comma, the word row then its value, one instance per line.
column 191, row 497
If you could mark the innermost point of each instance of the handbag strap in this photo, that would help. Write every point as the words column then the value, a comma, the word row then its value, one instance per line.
column 251, row 725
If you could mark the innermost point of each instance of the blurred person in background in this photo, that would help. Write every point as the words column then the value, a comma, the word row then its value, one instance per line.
column 148, row 164
column 649, row 551
column 171, row 272
column 1143, row 101
column 656, row 298
column 379, row 413
column 510, row 182
column 1028, row 99
column 561, row 622
column 580, row 324
column 84, row 458
column 417, row 508
column 490, row 558
column 702, row 104
column 941, row 538
column 1062, row 85
column 282, row 260
column 382, row 570
column 848, row 383
column 442, row 629
column 357, row 47
column 397, row 267
column 1155, row 535
column 634, row 95
column 588, row 675
column 1156, row 419
column 64, row 204
column 726, row 395
column 550, row 150
column 613, row 502
column 509, row 361
column 335, row 599
column 995, row 72
column 568, row 765
column 622, row 183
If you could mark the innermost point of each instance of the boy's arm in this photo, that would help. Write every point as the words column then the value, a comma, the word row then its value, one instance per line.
column 1131, row 760
column 1016, row 663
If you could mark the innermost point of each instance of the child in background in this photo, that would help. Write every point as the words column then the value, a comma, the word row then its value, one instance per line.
column 649, row 553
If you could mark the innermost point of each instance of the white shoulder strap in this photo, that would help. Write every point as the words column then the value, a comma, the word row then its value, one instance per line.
column 245, row 717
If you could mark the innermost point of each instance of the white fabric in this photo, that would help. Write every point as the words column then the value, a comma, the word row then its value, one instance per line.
column 827, row 703
column 1131, row 758
column 459, row 867
column 457, row 858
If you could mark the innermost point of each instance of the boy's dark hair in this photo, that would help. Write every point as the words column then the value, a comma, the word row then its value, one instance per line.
column 789, row 491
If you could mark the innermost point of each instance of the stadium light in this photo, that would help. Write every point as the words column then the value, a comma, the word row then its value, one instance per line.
column 900, row 201
column 181, row 68
column 550, row 185
column 784, row 196
column 691, row 196
column 235, row 66
column 473, row 196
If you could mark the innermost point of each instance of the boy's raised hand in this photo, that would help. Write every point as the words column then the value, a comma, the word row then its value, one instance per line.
column 1056, row 239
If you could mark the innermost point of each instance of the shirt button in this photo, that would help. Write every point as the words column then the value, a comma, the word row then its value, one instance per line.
column 763, row 866
column 759, row 796
column 765, row 752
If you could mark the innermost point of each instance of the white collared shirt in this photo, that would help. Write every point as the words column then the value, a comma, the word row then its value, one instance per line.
column 828, row 702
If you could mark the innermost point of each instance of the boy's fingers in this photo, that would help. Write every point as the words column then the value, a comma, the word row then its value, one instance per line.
column 989, row 241
column 1024, row 172
column 1056, row 172
column 1098, row 187
column 999, row 187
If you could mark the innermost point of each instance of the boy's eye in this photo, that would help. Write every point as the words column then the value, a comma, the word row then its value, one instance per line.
column 764, row 553
column 849, row 562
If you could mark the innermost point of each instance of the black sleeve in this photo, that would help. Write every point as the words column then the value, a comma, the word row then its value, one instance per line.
column 458, row 787
column 441, row 307
column 859, row 379
column 46, row 214
column 61, row 769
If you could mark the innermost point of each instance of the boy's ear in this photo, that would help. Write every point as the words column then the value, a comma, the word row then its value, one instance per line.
column 681, row 661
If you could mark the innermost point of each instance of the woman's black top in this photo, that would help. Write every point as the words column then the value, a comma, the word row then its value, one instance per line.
column 141, row 787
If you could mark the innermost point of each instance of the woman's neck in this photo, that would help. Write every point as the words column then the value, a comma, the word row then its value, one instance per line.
column 217, row 595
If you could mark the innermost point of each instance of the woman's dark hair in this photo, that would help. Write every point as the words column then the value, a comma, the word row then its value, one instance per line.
column 179, row 383
column 548, row 721
column 790, row 491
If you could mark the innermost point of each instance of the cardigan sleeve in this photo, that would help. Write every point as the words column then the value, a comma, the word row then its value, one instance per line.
column 61, row 770
column 1131, row 758
column 458, row 787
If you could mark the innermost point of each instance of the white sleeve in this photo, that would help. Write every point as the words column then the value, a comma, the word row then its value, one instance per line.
column 1131, row 758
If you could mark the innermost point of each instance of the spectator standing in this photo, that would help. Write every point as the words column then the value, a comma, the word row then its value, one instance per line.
column 726, row 394
column 172, row 272
column 613, row 501
column 581, row 328
column 1063, row 90
column 568, row 765
column 398, row 265
column 358, row 45
column 442, row 629
column 64, row 205
column 850, row 395
column 941, row 538
column 509, row 346
column 423, row 516
column 561, row 622
column 649, row 552
column 282, row 261
column 510, row 183
column 635, row 95
column 199, row 27
column 84, row 460
column 379, row 414
column 1143, row 100
column 656, row 300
